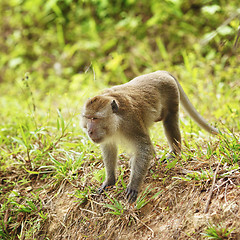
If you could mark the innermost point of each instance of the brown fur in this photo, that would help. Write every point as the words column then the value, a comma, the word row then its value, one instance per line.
column 127, row 111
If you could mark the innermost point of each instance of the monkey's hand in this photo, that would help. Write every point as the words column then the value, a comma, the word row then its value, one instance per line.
column 105, row 186
column 131, row 194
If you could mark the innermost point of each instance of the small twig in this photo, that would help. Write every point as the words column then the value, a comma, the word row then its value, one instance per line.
column 236, row 41
column 218, row 187
column 214, row 33
column 29, row 162
column 82, row 209
column 225, row 195
column 211, row 191
column 144, row 224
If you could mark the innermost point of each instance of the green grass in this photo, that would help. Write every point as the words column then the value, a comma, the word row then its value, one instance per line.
column 41, row 139
column 56, row 56
column 217, row 232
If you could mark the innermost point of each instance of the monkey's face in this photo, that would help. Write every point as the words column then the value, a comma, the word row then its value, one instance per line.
column 99, row 118
column 95, row 129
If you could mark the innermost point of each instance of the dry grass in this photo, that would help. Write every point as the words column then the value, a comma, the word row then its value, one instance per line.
column 177, row 213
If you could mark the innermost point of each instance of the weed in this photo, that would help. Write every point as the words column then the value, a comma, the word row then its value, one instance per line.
column 18, row 213
column 83, row 195
column 172, row 164
column 142, row 199
column 66, row 166
column 229, row 148
column 200, row 176
column 99, row 175
column 43, row 215
column 120, row 178
column 116, row 206
column 217, row 232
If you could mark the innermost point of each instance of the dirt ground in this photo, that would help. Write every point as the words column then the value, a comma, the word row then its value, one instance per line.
column 179, row 212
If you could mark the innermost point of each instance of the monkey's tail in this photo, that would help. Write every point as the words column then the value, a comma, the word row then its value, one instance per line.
column 191, row 110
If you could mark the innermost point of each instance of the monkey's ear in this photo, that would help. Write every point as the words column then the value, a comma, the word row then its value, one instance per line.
column 114, row 106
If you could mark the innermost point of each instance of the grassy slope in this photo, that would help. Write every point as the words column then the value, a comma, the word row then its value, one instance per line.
column 50, row 171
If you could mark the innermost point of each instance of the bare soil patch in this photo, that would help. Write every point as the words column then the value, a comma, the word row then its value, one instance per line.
column 177, row 213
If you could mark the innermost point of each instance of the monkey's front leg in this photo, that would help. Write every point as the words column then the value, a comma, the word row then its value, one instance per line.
column 139, row 167
column 109, row 151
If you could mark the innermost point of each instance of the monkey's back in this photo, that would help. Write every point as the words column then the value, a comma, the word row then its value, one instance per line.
column 144, row 96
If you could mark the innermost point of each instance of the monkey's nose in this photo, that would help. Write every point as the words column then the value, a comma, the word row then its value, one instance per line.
column 90, row 132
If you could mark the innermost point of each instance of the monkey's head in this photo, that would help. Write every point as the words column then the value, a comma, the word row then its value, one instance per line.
column 99, row 118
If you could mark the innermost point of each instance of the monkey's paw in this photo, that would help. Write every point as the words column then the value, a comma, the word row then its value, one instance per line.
column 169, row 157
column 131, row 195
column 105, row 186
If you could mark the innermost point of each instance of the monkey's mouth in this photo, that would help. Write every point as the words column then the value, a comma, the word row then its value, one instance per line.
column 96, row 140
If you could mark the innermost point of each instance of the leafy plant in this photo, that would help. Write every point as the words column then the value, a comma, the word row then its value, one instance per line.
column 217, row 232
column 229, row 147
column 116, row 206
column 120, row 178
column 17, row 212
column 142, row 199
column 99, row 175
column 67, row 166
column 83, row 195
column 202, row 175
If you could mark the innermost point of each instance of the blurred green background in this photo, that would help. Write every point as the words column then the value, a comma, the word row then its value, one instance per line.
column 57, row 53
column 61, row 42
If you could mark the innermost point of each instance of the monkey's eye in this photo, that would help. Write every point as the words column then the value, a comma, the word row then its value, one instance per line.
column 92, row 118
column 89, row 117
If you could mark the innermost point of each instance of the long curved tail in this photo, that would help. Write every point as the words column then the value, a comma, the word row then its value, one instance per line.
column 190, row 109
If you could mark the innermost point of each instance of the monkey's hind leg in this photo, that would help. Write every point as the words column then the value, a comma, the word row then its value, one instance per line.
column 109, row 151
column 172, row 132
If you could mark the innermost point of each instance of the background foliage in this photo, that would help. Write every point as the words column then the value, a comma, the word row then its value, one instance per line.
column 57, row 53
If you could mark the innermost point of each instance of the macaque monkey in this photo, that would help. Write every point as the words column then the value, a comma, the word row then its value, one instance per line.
column 125, row 113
